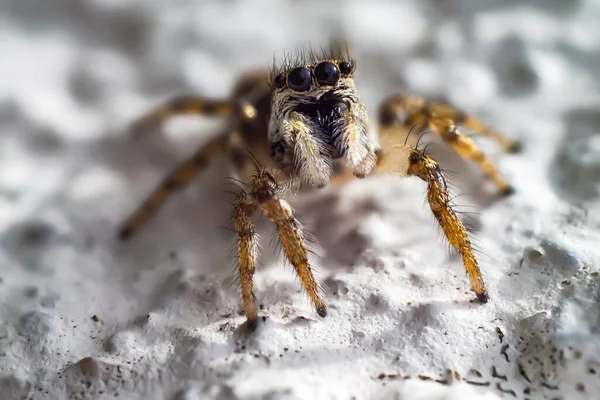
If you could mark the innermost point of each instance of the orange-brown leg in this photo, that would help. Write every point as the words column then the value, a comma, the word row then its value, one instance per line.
column 247, row 246
column 468, row 150
column 405, row 160
column 263, row 192
column 180, row 177
column 459, row 117
column 417, row 112
column 181, row 105
column 410, row 110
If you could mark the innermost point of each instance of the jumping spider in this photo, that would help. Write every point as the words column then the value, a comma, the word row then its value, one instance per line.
column 304, row 126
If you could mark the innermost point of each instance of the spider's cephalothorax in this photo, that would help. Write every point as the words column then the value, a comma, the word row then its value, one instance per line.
column 317, row 116
column 296, row 125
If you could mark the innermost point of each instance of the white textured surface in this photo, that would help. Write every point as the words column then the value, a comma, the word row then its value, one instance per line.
column 75, row 73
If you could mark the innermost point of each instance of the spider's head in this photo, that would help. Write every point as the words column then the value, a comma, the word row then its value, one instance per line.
column 316, row 116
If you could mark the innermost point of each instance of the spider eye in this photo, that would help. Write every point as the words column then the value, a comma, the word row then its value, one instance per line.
column 279, row 81
column 326, row 73
column 345, row 67
column 299, row 79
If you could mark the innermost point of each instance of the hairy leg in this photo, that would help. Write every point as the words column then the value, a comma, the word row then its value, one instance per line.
column 186, row 105
column 468, row 150
column 177, row 179
column 404, row 160
column 444, row 110
column 409, row 110
column 416, row 112
column 247, row 246
column 263, row 190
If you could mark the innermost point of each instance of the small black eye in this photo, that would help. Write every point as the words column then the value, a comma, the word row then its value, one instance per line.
column 299, row 79
column 326, row 73
column 279, row 81
column 345, row 67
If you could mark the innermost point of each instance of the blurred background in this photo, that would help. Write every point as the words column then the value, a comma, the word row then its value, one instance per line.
column 75, row 73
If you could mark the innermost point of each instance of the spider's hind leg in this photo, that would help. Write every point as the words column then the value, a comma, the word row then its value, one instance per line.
column 445, row 110
column 443, row 119
column 181, row 105
column 177, row 179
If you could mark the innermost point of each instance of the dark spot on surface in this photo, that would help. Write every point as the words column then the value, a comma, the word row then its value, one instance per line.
column 503, row 352
column 31, row 292
column 500, row 333
column 30, row 234
column 475, row 372
column 513, row 67
column 477, row 383
column 523, row 373
column 49, row 301
column 495, row 374
column 34, row 325
column 507, row 391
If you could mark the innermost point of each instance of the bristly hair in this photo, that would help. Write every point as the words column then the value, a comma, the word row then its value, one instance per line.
column 337, row 50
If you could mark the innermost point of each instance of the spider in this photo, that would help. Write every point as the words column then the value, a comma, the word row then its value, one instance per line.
column 305, row 126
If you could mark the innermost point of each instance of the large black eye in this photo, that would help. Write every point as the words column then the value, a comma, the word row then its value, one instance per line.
column 299, row 79
column 345, row 67
column 326, row 73
column 279, row 81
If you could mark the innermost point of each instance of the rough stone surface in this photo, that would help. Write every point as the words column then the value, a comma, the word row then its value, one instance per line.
column 84, row 317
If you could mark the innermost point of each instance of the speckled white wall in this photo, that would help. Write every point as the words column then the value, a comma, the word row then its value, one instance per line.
column 83, row 317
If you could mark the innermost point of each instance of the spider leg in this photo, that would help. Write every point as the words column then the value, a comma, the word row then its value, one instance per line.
column 415, row 111
column 177, row 179
column 405, row 160
column 468, row 150
column 394, row 108
column 477, row 127
column 263, row 190
column 247, row 245
column 189, row 105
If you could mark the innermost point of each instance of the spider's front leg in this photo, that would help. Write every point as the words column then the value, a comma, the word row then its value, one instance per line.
column 263, row 194
column 405, row 160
